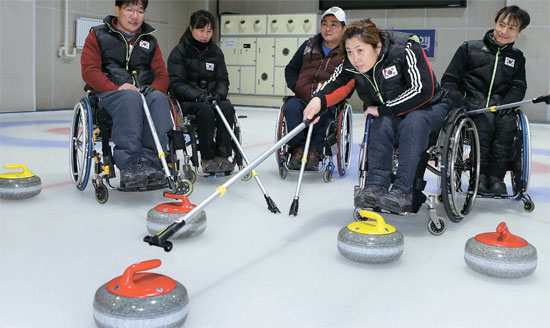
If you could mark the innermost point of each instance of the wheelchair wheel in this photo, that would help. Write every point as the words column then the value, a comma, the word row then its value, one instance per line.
column 101, row 193
column 522, row 156
column 344, row 139
column 81, row 146
column 460, row 172
column 280, row 132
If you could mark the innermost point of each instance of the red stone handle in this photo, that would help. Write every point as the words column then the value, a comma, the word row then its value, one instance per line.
column 127, row 278
column 503, row 232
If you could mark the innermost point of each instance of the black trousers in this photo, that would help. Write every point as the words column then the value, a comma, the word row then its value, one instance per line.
column 496, row 138
column 207, row 121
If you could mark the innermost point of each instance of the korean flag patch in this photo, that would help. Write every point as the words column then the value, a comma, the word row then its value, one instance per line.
column 390, row 72
column 209, row 66
column 509, row 62
column 144, row 44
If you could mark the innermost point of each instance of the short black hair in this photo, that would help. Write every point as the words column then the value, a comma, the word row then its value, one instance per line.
column 120, row 3
column 517, row 14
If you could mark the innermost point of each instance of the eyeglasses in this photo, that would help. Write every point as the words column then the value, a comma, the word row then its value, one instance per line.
column 130, row 11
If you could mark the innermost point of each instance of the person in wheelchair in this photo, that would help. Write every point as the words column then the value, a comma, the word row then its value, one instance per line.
column 112, row 53
column 312, row 64
column 394, row 79
column 198, row 75
column 485, row 73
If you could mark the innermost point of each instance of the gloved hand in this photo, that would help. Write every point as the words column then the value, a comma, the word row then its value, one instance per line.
column 146, row 89
column 507, row 111
column 201, row 97
column 211, row 97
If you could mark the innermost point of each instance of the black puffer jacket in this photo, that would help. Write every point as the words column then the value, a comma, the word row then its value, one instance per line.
column 400, row 81
column 187, row 67
column 483, row 74
column 116, row 62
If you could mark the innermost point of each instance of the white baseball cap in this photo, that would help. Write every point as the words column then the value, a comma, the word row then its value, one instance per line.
column 336, row 12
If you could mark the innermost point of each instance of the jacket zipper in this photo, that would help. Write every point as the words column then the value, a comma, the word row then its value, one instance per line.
column 128, row 53
column 375, row 85
column 493, row 77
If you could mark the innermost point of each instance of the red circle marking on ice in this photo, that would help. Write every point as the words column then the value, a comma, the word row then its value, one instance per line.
column 64, row 131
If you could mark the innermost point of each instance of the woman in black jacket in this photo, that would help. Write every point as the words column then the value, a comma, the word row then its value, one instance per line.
column 198, row 75
column 393, row 77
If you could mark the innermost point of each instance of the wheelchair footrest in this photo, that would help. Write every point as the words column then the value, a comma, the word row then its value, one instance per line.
column 140, row 189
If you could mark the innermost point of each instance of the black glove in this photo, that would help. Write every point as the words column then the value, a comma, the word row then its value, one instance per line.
column 201, row 97
column 211, row 97
column 146, row 89
column 507, row 111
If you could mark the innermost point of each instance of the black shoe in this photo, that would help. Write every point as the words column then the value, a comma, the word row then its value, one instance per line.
column 497, row 186
column 396, row 201
column 209, row 166
column 369, row 196
column 155, row 177
column 312, row 163
column 224, row 165
column 296, row 158
column 132, row 177
column 482, row 185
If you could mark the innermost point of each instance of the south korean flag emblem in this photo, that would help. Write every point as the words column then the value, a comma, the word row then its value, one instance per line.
column 209, row 66
column 509, row 62
column 390, row 72
column 144, row 44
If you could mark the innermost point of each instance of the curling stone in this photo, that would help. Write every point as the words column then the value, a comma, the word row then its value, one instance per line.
column 370, row 241
column 162, row 215
column 141, row 300
column 500, row 254
column 19, row 185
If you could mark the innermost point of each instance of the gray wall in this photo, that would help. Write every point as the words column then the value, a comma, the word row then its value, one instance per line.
column 32, row 76
column 31, row 31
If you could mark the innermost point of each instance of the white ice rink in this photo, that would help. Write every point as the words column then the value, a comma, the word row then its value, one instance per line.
column 252, row 268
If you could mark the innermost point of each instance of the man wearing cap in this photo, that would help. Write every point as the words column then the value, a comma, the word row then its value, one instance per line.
column 312, row 64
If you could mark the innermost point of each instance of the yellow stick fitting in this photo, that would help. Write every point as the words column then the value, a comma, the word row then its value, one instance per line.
column 493, row 109
column 222, row 190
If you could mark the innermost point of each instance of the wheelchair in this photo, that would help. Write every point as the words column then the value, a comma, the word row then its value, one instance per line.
column 519, row 166
column 453, row 156
column 338, row 141
column 188, row 141
column 90, row 127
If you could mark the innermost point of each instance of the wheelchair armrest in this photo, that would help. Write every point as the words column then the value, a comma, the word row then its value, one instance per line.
column 454, row 115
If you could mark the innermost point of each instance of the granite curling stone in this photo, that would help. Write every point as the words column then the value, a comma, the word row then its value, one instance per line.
column 19, row 185
column 500, row 254
column 162, row 215
column 370, row 241
column 141, row 300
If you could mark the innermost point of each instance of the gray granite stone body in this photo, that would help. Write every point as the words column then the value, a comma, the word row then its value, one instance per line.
column 370, row 248
column 502, row 262
column 20, row 188
column 156, row 221
column 164, row 311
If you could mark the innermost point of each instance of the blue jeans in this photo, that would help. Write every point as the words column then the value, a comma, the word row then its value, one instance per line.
column 411, row 134
column 131, row 133
column 294, row 115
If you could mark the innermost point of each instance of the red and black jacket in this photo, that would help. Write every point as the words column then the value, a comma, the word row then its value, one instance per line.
column 108, row 60
column 401, row 80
